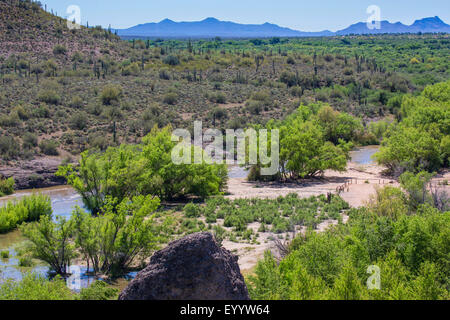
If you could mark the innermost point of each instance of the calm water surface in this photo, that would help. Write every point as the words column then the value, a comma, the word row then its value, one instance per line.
column 364, row 155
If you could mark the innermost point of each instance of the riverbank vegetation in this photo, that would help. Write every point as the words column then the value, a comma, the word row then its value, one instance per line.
column 313, row 139
column 27, row 209
column 34, row 287
column 47, row 108
column 408, row 249
column 6, row 186
column 110, row 244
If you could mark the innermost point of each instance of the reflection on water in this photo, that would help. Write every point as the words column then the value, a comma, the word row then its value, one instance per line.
column 364, row 155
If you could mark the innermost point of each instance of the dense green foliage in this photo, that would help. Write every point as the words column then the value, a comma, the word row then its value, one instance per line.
column 313, row 139
column 34, row 287
column 128, row 170
column 110, row 243
column 6, row 186
column 29, row 208
column 421, row 141
column 410, row 250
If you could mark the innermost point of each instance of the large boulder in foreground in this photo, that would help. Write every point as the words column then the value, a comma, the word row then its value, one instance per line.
column 192, row 268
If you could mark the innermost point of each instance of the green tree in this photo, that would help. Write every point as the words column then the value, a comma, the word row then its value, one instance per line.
column 50, row 242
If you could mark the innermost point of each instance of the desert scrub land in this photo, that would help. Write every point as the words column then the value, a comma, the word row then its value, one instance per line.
column 67, row 91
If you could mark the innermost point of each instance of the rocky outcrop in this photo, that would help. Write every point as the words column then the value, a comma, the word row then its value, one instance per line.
column 193, row 268
column 34, row 174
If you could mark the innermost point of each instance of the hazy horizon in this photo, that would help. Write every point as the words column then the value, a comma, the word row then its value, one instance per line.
column 297, row 15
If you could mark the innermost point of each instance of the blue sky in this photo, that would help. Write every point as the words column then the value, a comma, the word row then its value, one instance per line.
column 311, row 15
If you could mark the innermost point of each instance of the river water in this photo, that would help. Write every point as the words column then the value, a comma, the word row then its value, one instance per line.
column 64, row 199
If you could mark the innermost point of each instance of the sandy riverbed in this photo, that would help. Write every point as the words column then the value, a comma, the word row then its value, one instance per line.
column 363, row 181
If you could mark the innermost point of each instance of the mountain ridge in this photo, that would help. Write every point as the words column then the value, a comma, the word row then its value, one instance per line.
column 211, row 27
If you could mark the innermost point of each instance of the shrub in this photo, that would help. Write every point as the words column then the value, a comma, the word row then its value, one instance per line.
column 164, row 74
column 49, row 96
column 171, row 60
column 219, row 113
column 9, row 147
column 125, row 228
column 50, row 242
column 218, row 98
column 289, row 78
column 99, row 291
column 78, row 121
column 25, row 262
column 49, row 147
column 131, row 70
column 348, row 72
column 29, row 140
column 191, row 211
column 219, row 234
column 290, row 60
column 297, row 91
column 76, row 102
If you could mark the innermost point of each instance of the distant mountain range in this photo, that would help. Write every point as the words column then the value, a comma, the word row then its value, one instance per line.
column 211, row 27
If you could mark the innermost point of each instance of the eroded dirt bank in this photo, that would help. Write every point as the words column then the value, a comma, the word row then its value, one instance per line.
column 34, row 174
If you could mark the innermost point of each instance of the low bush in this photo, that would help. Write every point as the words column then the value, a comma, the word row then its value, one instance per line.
column 111, row 95
column 9, row 147
column 99, row 291
column 408, row 249
column 170, row 98
column 171, row 60
column 49, row 147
